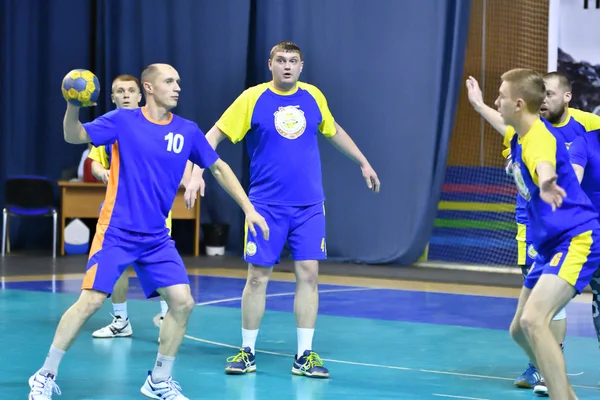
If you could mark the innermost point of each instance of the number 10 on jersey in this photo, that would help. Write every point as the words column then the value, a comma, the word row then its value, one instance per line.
column 174, row 142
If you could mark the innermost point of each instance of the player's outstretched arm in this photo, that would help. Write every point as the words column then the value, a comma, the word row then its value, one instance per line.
column 228, row 181
column 73, row 129
column 488, row 113
column 550, row 192
column 342, row 141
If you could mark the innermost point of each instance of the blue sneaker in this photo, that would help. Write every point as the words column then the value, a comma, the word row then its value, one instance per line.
column 242, row 362
column 529, row 378
column 309, row 364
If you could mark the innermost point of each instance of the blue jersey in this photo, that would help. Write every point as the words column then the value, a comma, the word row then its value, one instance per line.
column 544, row 143
column 576, row 124
column 147, row 162
column 281, row 137
column 585, row 152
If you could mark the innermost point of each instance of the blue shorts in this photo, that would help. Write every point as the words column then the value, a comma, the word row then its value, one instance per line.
column 575, row 260
column 303, row 228
column 155, row 259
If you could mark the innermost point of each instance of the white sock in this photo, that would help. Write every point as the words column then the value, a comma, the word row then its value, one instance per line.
column 120, row 310
column 249, row 338
column 164, row 307
column 53, row 359
column 162, row 368
column 305, row 337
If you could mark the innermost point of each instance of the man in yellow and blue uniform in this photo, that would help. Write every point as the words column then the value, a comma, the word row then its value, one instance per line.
column 564, row 224
column 572, row 124
column 280, row 122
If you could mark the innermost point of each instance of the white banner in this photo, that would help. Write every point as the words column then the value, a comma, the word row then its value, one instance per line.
column 574, row 48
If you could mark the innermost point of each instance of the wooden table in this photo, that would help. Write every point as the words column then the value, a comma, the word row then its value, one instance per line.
column 82, row 200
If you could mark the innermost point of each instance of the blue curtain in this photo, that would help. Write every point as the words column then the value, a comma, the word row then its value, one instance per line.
column 390, row 70
column 42, row 40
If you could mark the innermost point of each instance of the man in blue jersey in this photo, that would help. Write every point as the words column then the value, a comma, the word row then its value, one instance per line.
column 572, row 124
column 585, row 157
column 131, row 227
column 565, row 227
column 126, row 92
column 280, row 121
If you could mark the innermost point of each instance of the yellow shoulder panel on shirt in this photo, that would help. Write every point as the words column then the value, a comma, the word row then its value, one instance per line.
column 537, row 146
column 508, row 135
column 590, row 121
column 327, row 125
column 235, row 121
column 98, row 154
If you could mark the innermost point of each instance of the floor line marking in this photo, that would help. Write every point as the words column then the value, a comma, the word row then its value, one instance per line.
column 393, row 284
column 231, row 299
column 457, row 397
column 392, row 367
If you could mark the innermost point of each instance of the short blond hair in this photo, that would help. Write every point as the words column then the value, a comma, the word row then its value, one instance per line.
column 285, row 47
column 127, row 78
column 528, row 85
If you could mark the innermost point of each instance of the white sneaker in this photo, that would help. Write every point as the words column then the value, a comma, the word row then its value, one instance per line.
column 167, row 390
column 540, row 388
column 42, row 387
column 118, row 328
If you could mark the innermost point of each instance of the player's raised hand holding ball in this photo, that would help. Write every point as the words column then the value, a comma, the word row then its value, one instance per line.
column 81, row 88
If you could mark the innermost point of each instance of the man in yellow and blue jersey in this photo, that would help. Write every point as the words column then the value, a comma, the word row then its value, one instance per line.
column 585, row 158
column 572, row 124
column 281, row 121
column 564, row 225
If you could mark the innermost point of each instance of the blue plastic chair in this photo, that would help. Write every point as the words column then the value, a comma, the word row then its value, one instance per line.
column 29, row 196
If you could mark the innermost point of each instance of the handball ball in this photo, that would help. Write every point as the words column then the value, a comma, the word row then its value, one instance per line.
column 81, row 88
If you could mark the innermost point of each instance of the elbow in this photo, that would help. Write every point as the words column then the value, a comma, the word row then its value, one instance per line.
column 75, row 134
column 219, row 170
column 72, row 138
column 217, row 173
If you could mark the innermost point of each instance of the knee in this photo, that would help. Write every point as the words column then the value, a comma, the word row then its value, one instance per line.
column 515, row 328
column 257, row 279
column 307, row 273
column 90, row 301
column 531, row 323
column 183, row 305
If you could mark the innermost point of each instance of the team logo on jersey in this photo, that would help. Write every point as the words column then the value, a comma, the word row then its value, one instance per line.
column 568, row 144
column 556, row 259
column 290, row 122
column 250, row 248
column 518, row 175
column 531, row 252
